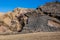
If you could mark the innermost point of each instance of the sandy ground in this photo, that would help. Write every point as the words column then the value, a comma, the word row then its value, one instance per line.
column 33, row 36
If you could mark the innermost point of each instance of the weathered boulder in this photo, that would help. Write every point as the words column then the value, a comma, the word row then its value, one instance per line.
column 9, row 22
column 15, row 20
column 53, row 23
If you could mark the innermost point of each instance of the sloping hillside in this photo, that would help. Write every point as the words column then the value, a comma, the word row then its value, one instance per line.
column 23, row 20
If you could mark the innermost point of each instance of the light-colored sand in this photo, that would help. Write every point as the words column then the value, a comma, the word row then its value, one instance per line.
column 33, row 36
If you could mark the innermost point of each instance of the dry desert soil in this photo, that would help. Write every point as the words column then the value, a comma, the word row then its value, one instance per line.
column 33, row 36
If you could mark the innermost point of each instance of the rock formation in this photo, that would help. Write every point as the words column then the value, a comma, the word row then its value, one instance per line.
column 22, row 20
column 51, row 9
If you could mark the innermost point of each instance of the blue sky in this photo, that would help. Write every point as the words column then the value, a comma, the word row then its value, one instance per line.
column 9, row 5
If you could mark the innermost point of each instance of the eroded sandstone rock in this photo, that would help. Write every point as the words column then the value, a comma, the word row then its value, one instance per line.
column 25, row 20
column 53, row 23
